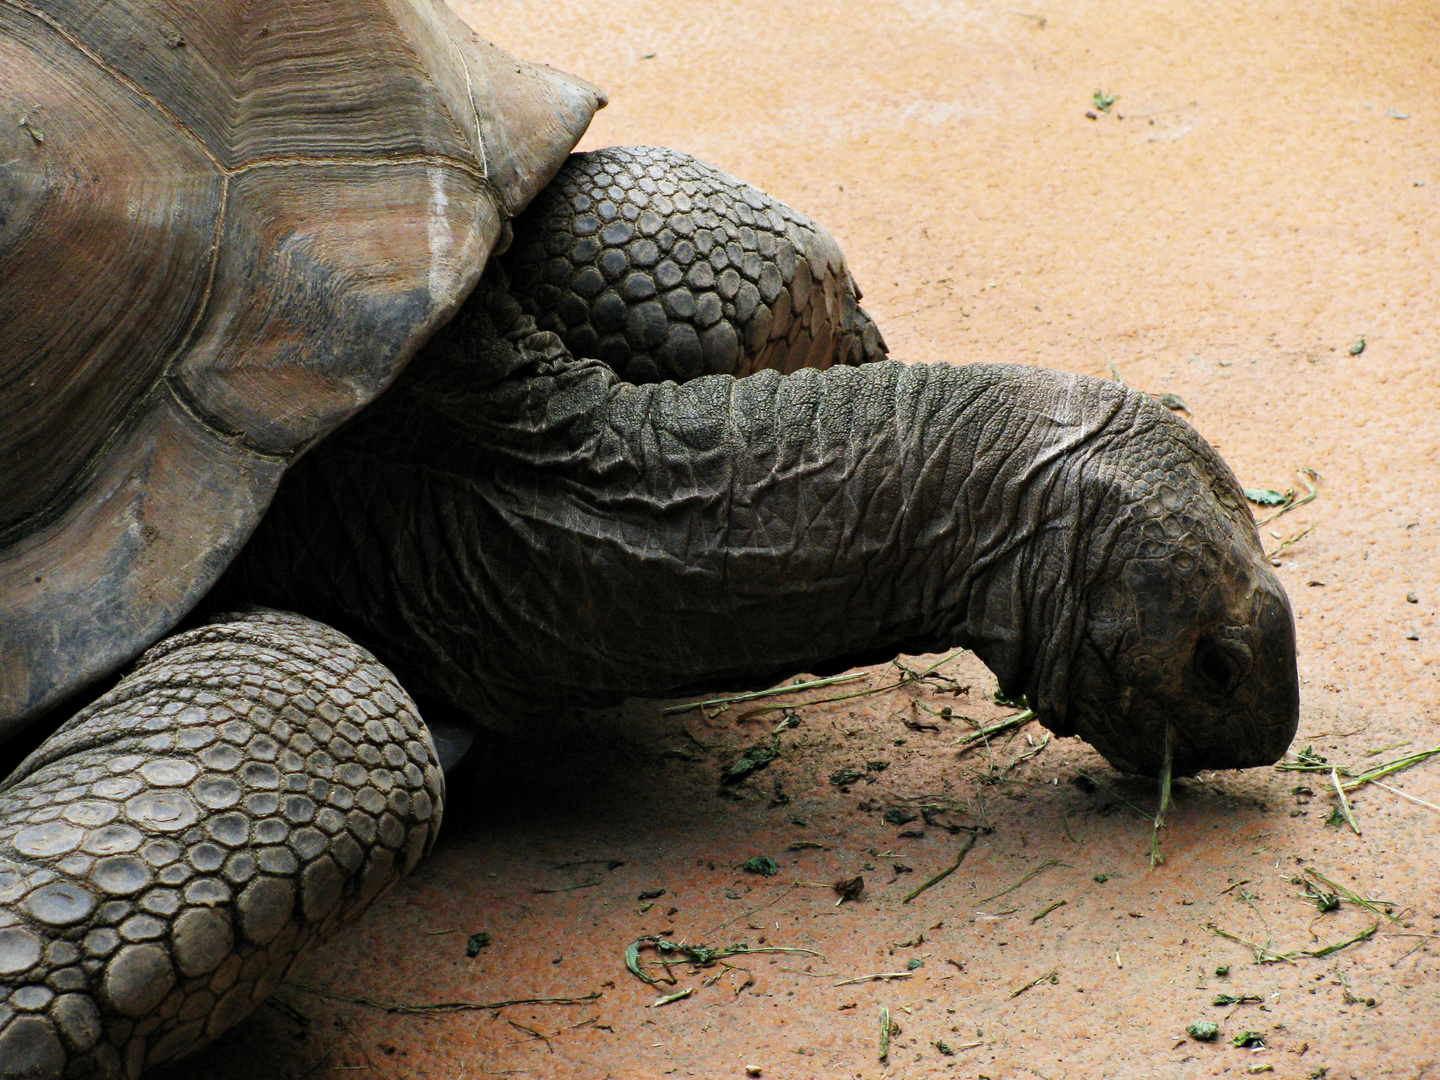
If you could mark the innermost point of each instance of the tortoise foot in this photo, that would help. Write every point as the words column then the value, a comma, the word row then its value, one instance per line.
column 171, row 851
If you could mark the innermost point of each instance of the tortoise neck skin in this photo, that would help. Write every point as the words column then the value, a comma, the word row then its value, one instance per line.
column 506, row 505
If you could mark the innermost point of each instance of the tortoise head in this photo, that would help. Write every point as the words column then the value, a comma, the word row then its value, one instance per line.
column 1181, row 623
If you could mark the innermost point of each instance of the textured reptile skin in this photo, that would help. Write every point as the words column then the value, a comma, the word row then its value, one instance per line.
column 507, row 501
column 170, row 852
column 665, row 267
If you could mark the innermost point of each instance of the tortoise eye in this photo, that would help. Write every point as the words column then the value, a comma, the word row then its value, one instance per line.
column 1221, row 665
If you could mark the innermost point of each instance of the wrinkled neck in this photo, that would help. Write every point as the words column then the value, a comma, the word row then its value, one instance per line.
column 1037, row 511
column 659, row 540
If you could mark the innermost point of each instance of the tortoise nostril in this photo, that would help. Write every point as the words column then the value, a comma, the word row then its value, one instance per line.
column 1220, row 665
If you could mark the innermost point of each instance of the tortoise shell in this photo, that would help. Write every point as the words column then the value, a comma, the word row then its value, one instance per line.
column 224, row 228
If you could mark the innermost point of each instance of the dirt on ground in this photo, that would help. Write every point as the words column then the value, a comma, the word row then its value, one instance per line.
column 1231, row 203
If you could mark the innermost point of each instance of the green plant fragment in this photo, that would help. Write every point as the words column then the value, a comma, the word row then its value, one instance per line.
column 943, row 874
column 1166, row 767
column 1264, row 496
column 699, row 955
column 756, row 757
column 762, row 865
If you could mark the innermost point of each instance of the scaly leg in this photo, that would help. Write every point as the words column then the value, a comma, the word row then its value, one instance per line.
column 170, row 852
column 664, row 267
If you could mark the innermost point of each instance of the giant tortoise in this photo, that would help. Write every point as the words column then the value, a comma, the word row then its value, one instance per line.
column 657, row 445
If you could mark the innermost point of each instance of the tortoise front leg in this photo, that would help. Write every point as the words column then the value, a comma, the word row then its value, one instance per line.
column 170, row 852
column 664, row 267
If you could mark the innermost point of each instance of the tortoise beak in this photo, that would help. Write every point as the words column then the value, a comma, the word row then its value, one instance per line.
column 1222, row 681
column 1255, row 726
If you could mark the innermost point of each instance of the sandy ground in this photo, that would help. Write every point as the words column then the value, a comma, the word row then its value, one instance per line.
column 1256, row 201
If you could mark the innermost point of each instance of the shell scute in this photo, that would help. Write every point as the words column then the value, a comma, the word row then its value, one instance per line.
column 224, row 228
